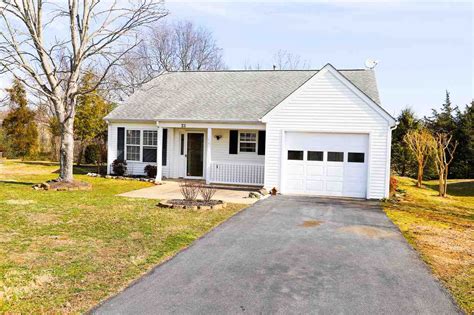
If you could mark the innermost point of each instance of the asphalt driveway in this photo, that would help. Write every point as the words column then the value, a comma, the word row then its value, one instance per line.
column 292, row 255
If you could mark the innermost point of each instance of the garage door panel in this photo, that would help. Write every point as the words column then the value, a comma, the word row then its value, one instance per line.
column 314, row 170
column 334, row 171
column 295, row 185
column 334, row 186
column 295, row 170
column 316, row 175
column 353, row 172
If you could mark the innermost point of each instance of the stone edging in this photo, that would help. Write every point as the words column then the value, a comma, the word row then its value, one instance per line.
column 138, row 179
column 166, row 204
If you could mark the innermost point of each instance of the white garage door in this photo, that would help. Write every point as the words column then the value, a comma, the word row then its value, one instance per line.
column 326, row 164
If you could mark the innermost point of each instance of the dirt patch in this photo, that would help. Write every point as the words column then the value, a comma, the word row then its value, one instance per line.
column 192, row 204
column 63, row 186
column 198, row 203
column 19, row 202
column 43, row 218
column 310, row 223
column 366, row 231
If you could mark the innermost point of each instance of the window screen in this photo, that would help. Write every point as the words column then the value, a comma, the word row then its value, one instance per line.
column 295, row 155
column 133, row 153
column 335, row 156
column 356, row 157
column 315, row 155
column 248, row 141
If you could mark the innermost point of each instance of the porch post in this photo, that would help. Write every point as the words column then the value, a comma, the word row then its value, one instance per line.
column 208, row 155
column 159, row 154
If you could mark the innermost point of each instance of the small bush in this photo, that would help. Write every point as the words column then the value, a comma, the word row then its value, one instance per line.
column 92, row 153
column 393, row 185
column 119, row 167
column 207, row 192
column 150, row 170
column 189, row 190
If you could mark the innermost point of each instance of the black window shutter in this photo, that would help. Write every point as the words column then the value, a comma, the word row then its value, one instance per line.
column 165, row 146
column 233, row 141
column 261, row 142
column 120, row 143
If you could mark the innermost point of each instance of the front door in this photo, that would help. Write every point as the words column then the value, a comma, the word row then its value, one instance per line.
column 195, row 155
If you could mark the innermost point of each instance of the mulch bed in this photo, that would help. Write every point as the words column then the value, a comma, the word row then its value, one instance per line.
column 63, row 186
column 192, row 204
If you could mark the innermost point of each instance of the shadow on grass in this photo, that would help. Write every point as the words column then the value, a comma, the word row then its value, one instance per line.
column 16, row 183
column 461, row 189
column 42, row 163
column 84, row 169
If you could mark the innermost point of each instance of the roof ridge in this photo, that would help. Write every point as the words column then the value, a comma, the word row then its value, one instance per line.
column 263, row 70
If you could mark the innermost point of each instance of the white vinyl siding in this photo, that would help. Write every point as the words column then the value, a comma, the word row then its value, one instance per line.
column 133, row 167
column 326, row 104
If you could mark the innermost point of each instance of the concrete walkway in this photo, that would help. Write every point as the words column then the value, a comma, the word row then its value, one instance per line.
column 292, row 255
column 170, row 190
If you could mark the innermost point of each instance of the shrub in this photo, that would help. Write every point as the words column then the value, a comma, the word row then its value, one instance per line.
column 207, row 192
column 150, row 170
column 92, row 153
column 119, row 167
column 189, row 190
column 393, row 185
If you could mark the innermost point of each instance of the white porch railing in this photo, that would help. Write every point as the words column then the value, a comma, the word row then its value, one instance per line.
column 235, row 173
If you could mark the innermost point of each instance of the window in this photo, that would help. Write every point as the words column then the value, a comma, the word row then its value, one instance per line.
column 315, row 155
column 248, row 141
column 133, row 145
column 182, row 145
column 355, row 157
column 335, row 156
column 150, row 145
column 295, row 155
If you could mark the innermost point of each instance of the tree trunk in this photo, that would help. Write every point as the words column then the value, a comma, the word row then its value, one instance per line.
column 66, row 153
column 446, row 182
column 441, row 185
column 420, row 175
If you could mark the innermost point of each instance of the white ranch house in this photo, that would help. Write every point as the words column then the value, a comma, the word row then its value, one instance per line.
column 312, row 132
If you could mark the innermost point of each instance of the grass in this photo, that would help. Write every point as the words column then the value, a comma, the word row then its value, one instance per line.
column 442, row 231
column 63, row 252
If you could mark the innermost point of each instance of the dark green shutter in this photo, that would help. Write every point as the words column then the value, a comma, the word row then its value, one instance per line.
column 120, row 143
column 165, row 146
column 233, row 141
column 261, row 142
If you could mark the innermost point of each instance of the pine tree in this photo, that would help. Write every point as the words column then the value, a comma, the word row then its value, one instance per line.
column 444, row 120
column 463, row 163
column 403, row 161
column 19, row 125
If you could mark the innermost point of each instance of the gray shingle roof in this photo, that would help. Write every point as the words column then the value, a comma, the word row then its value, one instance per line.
column 223, row 95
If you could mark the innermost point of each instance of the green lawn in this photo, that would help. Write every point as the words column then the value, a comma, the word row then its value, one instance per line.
column 442, row 231
column 63, row 252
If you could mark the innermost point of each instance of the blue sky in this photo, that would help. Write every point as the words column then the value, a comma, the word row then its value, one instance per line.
column 424, row 48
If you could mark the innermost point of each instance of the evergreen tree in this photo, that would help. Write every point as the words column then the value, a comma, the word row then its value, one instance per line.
column 19, row 125
column 89, row 124
column 463, row 163
column 444, row 120
column 403, row 161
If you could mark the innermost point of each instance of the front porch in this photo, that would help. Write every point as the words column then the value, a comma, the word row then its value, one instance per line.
column 221, row 154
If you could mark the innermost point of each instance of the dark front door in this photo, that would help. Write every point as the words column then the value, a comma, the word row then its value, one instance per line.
column 195, row 155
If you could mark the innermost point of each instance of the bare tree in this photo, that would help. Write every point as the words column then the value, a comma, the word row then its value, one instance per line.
column 51, row 60
column 284, row 60
column 179, row 46
column 420, row 142
column 444, row 150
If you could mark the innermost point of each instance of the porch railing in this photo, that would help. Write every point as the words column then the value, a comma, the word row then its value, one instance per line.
column 235, row 173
